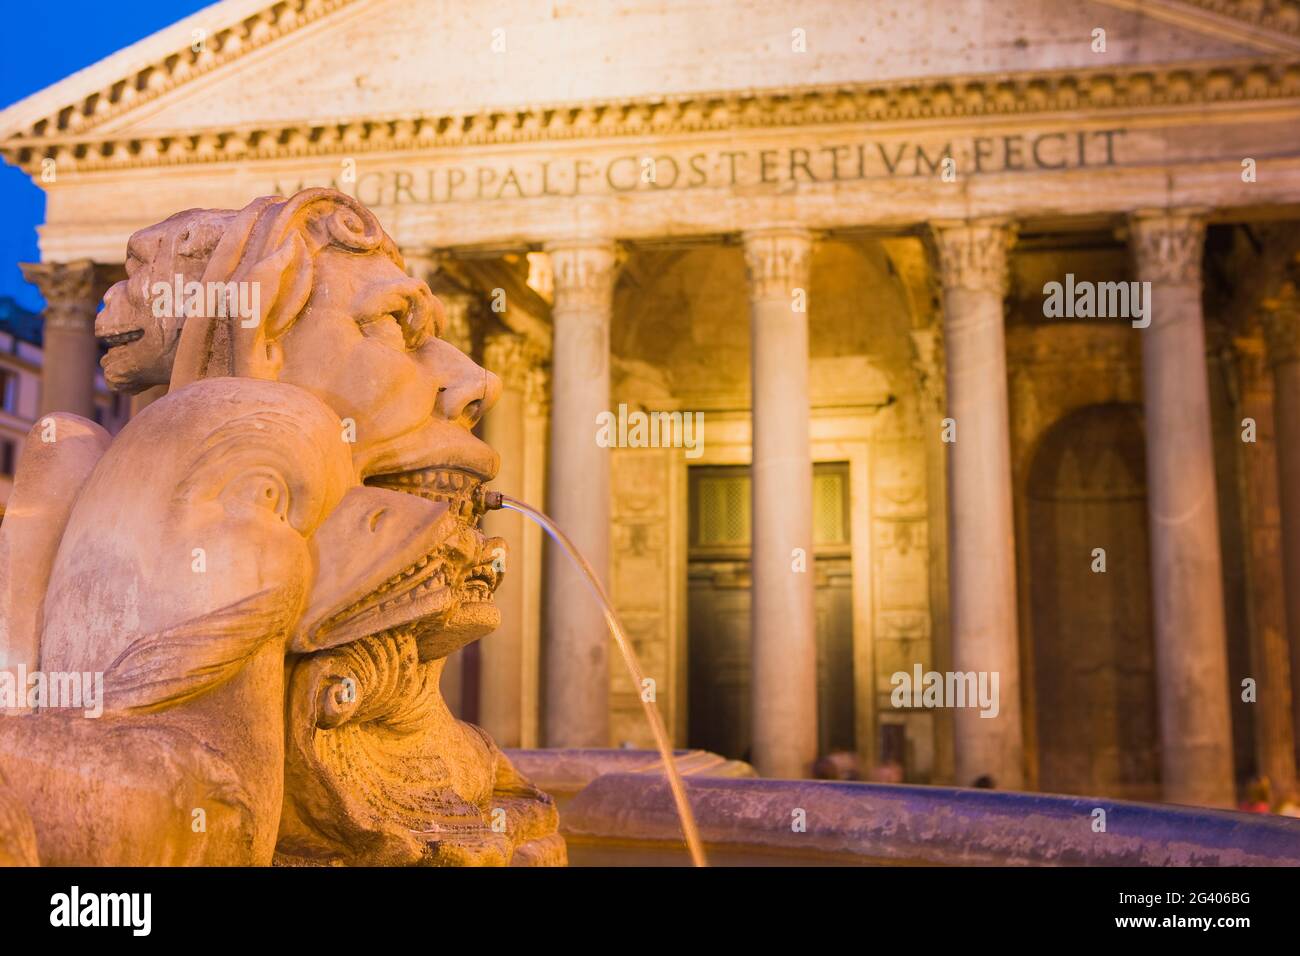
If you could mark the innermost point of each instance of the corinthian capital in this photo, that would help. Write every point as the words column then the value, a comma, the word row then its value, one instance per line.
column 973, row 254
column 71, row 292
column 1281, row 321
column 1168, row 245
column 458, row 307
column 583, row 273
column 778, row 261
column 514, row 357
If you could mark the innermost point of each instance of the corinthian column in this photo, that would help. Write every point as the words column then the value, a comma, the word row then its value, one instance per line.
column 981, row 551
column 1282, row 328
column 576, row 658
column 1191, row 644
column 70, row 359
column 783, row 618
column 514, row 358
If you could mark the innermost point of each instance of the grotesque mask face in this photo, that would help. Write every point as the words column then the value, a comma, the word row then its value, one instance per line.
column 367, row 345
column 341, row 319
column 140, row 328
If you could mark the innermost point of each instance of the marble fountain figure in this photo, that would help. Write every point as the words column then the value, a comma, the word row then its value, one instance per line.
column 269, row 566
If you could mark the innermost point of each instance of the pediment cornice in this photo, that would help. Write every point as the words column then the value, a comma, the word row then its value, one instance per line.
column 1282, row 16
column 160, row 71
column 1272, row 25
column 1133, row 89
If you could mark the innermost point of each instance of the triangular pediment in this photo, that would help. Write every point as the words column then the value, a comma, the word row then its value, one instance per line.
column 319, row 60
column 205, row 44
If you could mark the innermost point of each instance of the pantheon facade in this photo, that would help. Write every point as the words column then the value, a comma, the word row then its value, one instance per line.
column 825, row 231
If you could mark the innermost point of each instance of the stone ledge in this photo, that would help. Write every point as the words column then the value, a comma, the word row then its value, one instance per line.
column 629, row 819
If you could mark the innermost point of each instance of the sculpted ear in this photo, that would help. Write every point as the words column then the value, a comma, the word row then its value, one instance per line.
column 281, row 284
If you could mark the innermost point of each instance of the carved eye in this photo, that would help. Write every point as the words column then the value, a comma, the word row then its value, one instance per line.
column 387, row 326
column 260, row 490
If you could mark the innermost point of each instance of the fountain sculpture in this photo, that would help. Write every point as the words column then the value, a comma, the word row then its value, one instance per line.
column 268, row 567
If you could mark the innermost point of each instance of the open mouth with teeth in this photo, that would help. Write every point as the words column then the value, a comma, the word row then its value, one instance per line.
column 460, row 489
column 406, row 587
column 442, row 593
column 121, row 338
column 422, row 589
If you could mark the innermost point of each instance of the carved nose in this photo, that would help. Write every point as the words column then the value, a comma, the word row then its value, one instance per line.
column 469, row 392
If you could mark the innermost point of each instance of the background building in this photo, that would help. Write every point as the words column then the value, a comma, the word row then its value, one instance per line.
column 20, row 384
column 828, row 229
column 20, row 389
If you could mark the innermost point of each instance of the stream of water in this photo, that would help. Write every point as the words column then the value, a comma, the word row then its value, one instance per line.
column 684, row 814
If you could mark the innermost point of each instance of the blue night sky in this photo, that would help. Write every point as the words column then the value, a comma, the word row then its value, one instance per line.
column 41, row 45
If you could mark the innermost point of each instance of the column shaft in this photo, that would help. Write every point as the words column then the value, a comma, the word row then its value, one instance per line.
column 70, row 359
column 576, row 654
column 928, row 362
column 783, row 622
column 1186, row 573
column 981, row 562
column 511, row 357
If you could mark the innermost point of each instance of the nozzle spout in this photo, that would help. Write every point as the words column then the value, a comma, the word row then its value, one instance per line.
column 490, row 500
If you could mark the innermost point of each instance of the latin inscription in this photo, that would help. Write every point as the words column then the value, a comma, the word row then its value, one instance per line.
column 787, row 167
